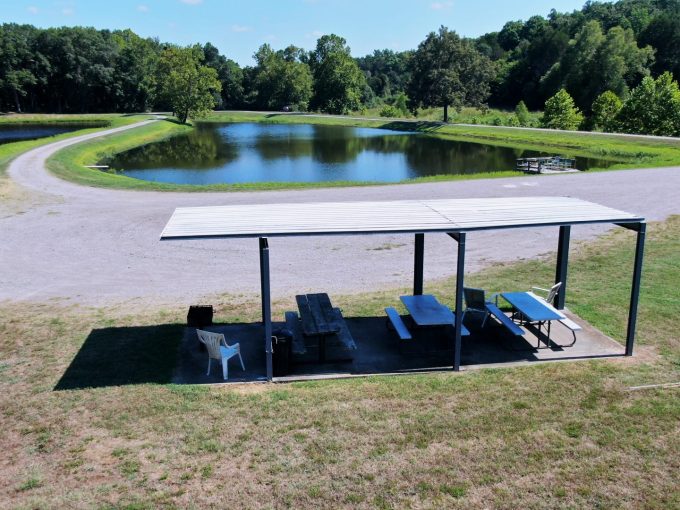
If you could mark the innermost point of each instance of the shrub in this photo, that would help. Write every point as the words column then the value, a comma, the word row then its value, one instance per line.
column 561, row 112
column 522, row 114
column 653, row 108
column 389, row 111
column 513, row 121
column 497, row 121
column 605, row 109
column 401, row 104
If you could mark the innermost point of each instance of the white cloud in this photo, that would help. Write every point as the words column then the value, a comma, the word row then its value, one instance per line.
column 32, row 9
column 143, row 8
column 314, row 34
column 191, row 2
column 240, row 28
column 440, row 6
column 68, row 11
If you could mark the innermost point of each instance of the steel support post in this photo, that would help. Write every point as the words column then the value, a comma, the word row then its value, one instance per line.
column 266, row 304
column 562, row 265
column 460, row 273
column 418, row 264
column 635, row 290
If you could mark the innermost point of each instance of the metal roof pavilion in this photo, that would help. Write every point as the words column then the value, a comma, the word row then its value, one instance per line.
column 454, row 217
column 404, row 216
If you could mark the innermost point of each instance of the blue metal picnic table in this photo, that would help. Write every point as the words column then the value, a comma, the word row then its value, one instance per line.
column 427, row 311
column 529, row 309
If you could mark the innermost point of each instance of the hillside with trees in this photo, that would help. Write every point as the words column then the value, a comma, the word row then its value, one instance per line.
column 598, row 65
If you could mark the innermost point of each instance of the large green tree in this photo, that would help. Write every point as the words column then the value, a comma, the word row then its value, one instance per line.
column 281, row 79
column 448, row 71
column 186, row 83
column 338, row 81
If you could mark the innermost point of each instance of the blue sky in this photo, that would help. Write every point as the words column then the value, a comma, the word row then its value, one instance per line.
column 238, row 28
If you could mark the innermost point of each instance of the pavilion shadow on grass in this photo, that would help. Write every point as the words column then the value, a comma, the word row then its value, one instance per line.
column 454, row 217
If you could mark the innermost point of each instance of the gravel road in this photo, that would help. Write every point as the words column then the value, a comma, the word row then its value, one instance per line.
column 75, row 244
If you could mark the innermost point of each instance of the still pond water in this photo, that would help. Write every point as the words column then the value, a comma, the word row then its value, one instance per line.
column 246, row 153
column 18, row 132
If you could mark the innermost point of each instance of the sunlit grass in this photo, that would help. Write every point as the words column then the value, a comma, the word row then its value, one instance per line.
column 560, row 435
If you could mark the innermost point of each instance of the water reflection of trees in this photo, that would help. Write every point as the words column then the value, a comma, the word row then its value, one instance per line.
column 198, row 150
column 327, row 144
column 435, row 156
column 425, row 155
column 211, row 147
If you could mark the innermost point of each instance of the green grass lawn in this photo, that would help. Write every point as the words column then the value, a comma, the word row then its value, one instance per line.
column 559, row 435
column 629, row 152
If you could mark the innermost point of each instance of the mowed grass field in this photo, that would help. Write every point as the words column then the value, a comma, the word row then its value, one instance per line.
column 90, row 420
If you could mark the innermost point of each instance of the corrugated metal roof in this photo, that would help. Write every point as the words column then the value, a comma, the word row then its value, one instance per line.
column 404, row 216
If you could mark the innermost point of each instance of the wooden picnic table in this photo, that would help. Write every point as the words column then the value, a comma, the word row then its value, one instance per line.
column 320, row 319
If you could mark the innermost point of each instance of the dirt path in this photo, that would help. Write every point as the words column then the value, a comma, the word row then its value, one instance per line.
column 95, row 246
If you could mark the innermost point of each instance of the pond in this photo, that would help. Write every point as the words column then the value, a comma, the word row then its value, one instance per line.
column 30, row 131
column 248, row 153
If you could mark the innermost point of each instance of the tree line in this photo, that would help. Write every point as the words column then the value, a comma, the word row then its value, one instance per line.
column 604, row 48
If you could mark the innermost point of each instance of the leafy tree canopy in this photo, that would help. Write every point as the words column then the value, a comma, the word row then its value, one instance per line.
column 338, row 81
column 187, row 84
column 448, row 71
column 281, row 79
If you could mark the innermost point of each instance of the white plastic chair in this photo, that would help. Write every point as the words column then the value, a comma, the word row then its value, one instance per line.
column 551, row 293
column 218, row 348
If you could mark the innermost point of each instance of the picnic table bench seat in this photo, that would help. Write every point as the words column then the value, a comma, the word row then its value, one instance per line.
column 504, row 319
column 343, row 334
column 398, row 323
column 295, row 327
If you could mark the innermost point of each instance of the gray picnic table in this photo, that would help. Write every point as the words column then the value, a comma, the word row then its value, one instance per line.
column 427, row 311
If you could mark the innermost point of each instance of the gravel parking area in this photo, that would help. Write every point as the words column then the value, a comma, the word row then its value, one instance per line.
column 83, row 245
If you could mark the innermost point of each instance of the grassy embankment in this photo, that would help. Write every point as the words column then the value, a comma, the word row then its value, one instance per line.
column 9, row 151
column 631, row 153
column 560, row 435
column 467, row 115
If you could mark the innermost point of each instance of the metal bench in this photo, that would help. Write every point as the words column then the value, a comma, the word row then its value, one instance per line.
column 504, row 319
column 293, row 324
column 398, row 323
